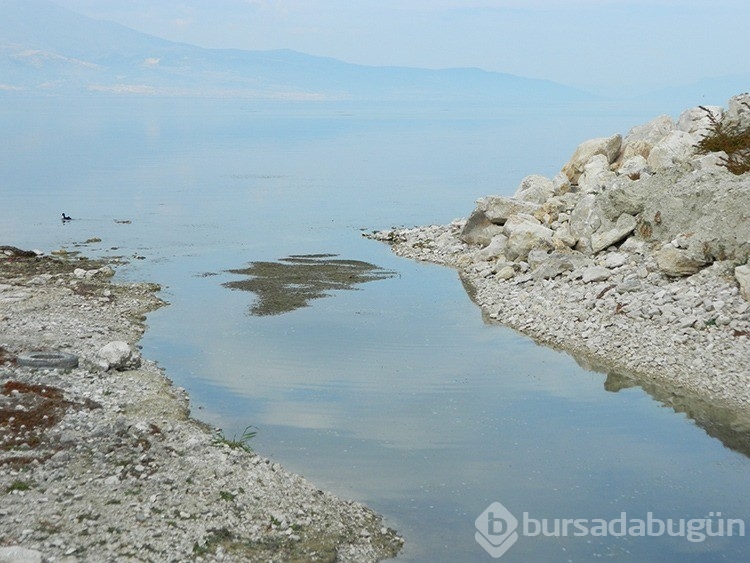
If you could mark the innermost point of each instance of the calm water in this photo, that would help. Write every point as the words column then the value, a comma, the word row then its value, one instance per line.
column 398, row 394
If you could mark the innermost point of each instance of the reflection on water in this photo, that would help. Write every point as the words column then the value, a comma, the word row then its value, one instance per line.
column 397, row 395
column 720, row 422
column 291, row 283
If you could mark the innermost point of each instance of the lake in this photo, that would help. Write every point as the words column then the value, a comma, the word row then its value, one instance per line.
column 395, row 393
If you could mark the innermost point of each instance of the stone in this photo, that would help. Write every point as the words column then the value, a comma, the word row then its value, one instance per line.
column 634, row 167
column 623, row 227
column 742, row 275
column 697, row 120
column 524, row 234
column 595, row 274
column 479, row 230
column 505, row 273
column 495, row 249
column 615, row 259
column 738, row 111
column 535, row 189
column 585, row 218
column 18, row 554
column 675, row 262
column 596, row 175
column 608, row 146
column 118, row 355
column 563, row 237
column 498, row 209
column 559, row 262
column 623, row 196
column 676, row 148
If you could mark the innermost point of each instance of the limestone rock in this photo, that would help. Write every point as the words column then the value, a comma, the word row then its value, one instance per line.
column 118, row 355
column 559, row 262
column 676, row 148
column 608, row 146
column 697, row 120
column 623, row 227
column 495, row 249
column 742, row 275
column 595, row 273
column 479, row 229
column 499, row 208
column 634, row 167
column 738, row 111
column 18, row 554
column 596, row 175
column 524, row 234
column 677, row 262
column 535, row 189
column 586, row 217
column 641, row 139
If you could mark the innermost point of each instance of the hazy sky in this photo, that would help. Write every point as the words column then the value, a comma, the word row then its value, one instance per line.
column 599, row 45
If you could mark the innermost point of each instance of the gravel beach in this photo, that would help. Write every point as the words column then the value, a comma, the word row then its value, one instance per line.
column 101, row 461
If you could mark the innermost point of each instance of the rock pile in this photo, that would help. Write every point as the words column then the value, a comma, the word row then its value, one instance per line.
column 634, row 255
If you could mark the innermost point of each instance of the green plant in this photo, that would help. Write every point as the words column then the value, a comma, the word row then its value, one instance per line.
column 729, row 138
column 241, row 443
column 18, row 486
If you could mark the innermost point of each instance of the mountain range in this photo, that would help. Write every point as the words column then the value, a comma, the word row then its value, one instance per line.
column 47, row 49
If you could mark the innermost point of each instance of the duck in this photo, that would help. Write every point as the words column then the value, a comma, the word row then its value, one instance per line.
column 66, row 218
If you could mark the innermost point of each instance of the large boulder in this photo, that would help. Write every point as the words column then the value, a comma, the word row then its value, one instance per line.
column 620, row 230
column 479, row 230
column 676, row 148
column 608, row 146
column 535, row 189
column 699, row 120
column 712, row 204
column 641, row 139
column 585, row 218
column 738, row 111
column 499, row 208
column 596, row 175
column 676, row 262
column 525, row 233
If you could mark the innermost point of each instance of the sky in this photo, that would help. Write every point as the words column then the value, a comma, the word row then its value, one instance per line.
column 603, row 46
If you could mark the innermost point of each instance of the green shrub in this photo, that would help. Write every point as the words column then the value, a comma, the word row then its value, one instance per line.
column 730, row 138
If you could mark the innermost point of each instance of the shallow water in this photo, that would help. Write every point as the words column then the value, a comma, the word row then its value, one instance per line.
column 396, row 394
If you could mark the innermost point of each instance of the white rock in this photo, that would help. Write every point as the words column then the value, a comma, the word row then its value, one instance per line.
column 623, row 227
column 634, row 167
column 535, row 189
column 676, row 148
column 608, row 146
column 615, row 259
column 697, row 120
column 119, row 355
column 18, row 554
column 499, row 208
column 595, row 273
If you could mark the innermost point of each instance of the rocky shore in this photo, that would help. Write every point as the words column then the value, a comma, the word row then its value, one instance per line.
column 101, row 461
column 633, row 258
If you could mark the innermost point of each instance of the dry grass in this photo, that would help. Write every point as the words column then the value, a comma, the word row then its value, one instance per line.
column 731, row 139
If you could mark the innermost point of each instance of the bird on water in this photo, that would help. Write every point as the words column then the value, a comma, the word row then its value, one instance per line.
column 66, row 217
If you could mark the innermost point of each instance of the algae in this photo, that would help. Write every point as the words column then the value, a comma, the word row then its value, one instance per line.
column 292, row 282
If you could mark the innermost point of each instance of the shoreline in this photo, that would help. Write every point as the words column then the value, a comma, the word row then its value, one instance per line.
column 103, row 462
column 692, row 369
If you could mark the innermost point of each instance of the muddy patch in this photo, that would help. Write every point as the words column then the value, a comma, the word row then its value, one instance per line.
column 294, row 281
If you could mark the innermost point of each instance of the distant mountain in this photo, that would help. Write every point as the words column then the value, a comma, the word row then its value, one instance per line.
column 47, row 49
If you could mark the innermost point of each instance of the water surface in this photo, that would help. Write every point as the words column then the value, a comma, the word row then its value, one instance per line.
column 397, row 394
